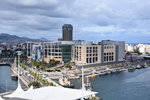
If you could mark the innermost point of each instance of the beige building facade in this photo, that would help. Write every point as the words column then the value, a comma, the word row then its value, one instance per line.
column 93, row 54
column 89, row 54
column 109, row 54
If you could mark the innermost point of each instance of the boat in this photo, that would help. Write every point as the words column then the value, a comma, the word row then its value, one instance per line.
column 113, row 71
column 108, row 71
column 102, row 73
column 145, row 65
column 87, row 84
column 131, row 69
column 138, row 67
column 92, row 76
column 65, row 82
column 14, row 77
column 119, row 70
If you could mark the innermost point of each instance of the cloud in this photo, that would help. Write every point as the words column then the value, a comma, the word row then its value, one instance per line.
column 99, row 19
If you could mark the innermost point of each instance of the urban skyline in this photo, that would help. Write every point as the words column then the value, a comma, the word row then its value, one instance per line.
column 98, row 20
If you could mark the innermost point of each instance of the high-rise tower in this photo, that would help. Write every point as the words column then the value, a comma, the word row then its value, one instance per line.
column 67, row 30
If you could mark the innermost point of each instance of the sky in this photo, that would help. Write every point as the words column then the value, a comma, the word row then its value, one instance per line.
column 92, row 20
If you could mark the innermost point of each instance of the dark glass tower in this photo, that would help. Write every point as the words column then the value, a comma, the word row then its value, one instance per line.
column 67, row 30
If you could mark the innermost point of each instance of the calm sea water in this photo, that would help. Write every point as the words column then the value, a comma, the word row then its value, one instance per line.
column 6, row 83
column 122, row 86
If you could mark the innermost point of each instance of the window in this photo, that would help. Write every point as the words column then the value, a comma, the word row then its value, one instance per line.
column 87, row 60
column 90, row 60
column 93, row 59
column 109, row 58
column 112, row 58
column 104, row 58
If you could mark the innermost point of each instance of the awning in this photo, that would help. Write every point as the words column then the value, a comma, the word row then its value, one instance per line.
column 52, row 93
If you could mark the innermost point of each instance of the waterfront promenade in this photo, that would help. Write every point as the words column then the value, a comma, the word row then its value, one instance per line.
column 27, row 78
column 92, row 71
column 88, row 70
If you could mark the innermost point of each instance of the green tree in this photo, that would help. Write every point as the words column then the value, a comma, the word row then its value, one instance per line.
column 36, row 63
column 68, row 65
column 42, row 66
column 35, row 84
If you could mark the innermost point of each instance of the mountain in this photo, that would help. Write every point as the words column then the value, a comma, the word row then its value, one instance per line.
column 4, row 37
column 44, row 39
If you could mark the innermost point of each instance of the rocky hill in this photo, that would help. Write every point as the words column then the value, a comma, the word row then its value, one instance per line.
column 4, row 37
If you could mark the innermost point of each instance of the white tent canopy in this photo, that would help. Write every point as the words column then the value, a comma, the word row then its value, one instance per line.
column 18, row 90
column 31, row 88
column 52, row 93
column 1, row 98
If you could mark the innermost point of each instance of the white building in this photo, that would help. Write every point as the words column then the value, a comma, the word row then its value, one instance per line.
column 37, row 52
column 143, row 48
column 129, row 48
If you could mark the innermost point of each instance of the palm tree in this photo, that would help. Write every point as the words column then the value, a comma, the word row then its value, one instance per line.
column 42, row 66
column 67, row 65
column 35, row 84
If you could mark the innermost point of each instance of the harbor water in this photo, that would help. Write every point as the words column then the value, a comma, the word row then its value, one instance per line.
column 122, row 86
column 6, row 83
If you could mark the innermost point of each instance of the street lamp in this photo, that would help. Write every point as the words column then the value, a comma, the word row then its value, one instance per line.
column 18, row 53
column 83, row 86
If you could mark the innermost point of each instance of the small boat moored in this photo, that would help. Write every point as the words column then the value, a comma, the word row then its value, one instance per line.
column 131, row 69
column 113, row 71
column 65, row 82
column 138, row 66
column 14, row 77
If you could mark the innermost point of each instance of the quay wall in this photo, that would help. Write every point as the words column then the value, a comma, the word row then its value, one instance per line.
column 5, row 64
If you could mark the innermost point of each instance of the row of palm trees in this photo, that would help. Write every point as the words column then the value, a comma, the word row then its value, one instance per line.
column 24, row 66
column 40, row 79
